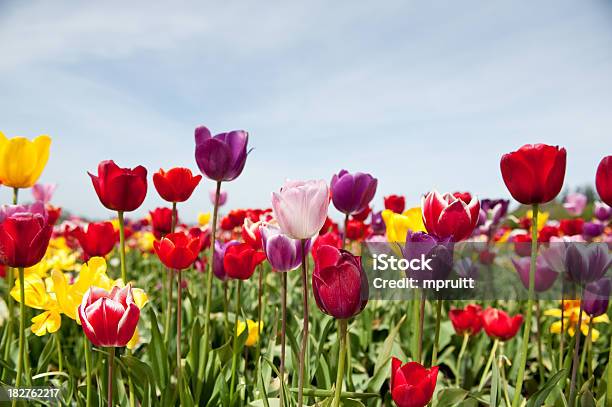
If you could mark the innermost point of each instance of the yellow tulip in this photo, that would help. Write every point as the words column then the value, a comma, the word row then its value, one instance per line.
column 570, row 320
column 49, row 321
column 398, row 225
column 22, row 161
column 253, row 331
column 203, row 218
column 145, row 241
column 542, row 218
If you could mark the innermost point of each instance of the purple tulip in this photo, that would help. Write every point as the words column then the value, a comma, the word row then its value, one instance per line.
column 222, row 197
column 222, row 157
column 220, row 248
column 596, row 297
column 592, row 229
column 575, row 203
column 466, row 268
column 545, row 276
column 43, row 192
column 586, row 263
column 554, row 253
column 602, row 211
column 352, row 193
column 423, row 245
column 377, row 223
column 283, row 253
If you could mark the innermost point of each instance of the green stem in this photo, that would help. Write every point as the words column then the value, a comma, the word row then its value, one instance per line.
column 485, row 372
column 122, row 247
column 577, row 335
column 179, row 311
column 10, row 280
column 585, row 349
column 304, row 344
column 226, row 327
column 209, row 276
column 21, row 329
column 109, row 384
column 322, row 393
column 527, row 332
column 169, row 305
column 539, row 343
column 434, row 354
column 466, row 339
column 502, row 368
column 259, row 309
column 235, row 347
column 87, row 351
column 421, row 323
column 342, row 325
column 58, row 348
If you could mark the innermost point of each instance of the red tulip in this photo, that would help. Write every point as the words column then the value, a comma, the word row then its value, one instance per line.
column 499, row 325
column 571, row 227
column 467, row 320
column 120, row 189
column 395, row 203
column 161, row 220
column 176, row 185
column 53, row 213
column 356, row 229
column 178, row 250
column 329, row 239
column 24, row 237
column 534, row 173
column 109, row 319
column 603, row 180
column 98, row 239
column 449, row 216
column 251, row 234
column 339, row 284
column 412, row 385
column 329, row 227
column 547, row 232
column 240, row 261
column 522, row 244
column 227, row 223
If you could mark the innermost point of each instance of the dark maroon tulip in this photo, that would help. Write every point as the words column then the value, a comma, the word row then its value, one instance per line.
column 351, row 193
column 545, row 276
column 161, row 220
column 440, row 251
column 596, row 297
column 534, row 173
column 24, row 237
column 222, row 157
column 603, row 180
column 120, row 189
column 339, row 284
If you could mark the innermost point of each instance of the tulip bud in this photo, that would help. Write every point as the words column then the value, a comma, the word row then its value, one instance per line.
column 412, row 385
column 467, row 320
column 339, row 284
column 596, row 297
column 120, row 189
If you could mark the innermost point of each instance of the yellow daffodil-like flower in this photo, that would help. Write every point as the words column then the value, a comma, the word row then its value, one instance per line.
column 145, row 240
column 47, row 322
column 253, row 331
column 203, row 218
column 398, row 225
column 571, row 315
column 36, row 295
column 542, row 218
column 22, row 161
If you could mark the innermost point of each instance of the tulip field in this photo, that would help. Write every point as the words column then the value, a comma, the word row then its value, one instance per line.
column 318, row 299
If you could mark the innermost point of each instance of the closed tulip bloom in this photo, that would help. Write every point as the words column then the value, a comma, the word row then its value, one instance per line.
column 377, row 223
column 602, row 211
column 220, row 248
column 596, row 297
column 222, row 157
column 440, row 251
column 398, row 225
column 339, row 284
column 351, row 193
column 412, row 385
column 251, row 234
column 109, row 319
column 575, row 203
column 175, row 185
column 240, row 261
column 161, row 220
column 283, row 253
column 499, row 325
column 300, row 207
column 222, row 197
column 22, row 161
column 450, row 215
column 592, row 229
column 467, row 320
column 178, row 250
column 603, row 180
column 545, row 276
column 24, row 237
column 586, row 263
column 395, row 203
column 43, row 192
column 534, row 173
column 120, row 189
column 97, row 239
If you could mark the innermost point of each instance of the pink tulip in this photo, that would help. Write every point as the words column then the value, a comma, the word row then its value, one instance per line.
column 575, row 203
column 43, row 192
column 301, row 207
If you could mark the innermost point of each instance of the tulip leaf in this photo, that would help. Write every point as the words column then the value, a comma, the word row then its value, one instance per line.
column 451, row 397
column 47, row 353
column 538, row 398
column 381, row 367
column 158, row 354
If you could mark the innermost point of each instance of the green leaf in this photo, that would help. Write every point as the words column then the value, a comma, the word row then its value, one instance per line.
column 381, row 370
column 451, row 397
column 538, row 398
column 158, row 355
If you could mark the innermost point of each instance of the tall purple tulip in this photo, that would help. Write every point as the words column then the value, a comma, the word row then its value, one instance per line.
column 352, row 193
column 545, row 276
column 283, row 253
column 222, row 157
column 220, row 248
column 586, row 263
column 596, row 297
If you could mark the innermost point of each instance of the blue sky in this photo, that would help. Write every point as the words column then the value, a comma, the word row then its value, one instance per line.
column 421, row 94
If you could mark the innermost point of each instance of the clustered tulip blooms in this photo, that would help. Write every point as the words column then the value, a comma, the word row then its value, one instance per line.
column 97, row 238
